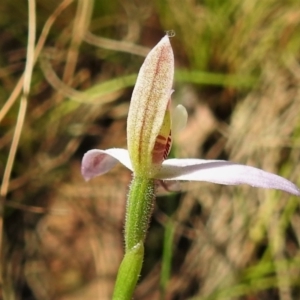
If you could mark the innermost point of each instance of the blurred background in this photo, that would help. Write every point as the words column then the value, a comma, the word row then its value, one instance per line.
column 237, row 73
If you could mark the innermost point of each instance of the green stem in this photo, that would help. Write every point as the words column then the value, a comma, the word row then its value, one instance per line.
column 138, row 213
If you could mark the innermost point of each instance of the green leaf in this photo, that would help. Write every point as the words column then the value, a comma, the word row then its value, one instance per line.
column 128, row 273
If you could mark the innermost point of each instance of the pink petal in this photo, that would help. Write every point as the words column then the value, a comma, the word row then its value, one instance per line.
column 97, row 162
column 223, row 172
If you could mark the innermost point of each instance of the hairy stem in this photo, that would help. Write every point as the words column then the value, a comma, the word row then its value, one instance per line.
column 138, row 214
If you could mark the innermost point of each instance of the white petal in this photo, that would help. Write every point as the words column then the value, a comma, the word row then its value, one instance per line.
column 223, row 172
column 179, row 118
column 97, row 162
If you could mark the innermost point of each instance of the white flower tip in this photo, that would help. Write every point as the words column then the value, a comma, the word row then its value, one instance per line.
column 164, row 45
column 86, row 179
column 86, row 174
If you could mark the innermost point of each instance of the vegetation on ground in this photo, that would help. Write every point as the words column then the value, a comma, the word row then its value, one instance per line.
column 67, row 69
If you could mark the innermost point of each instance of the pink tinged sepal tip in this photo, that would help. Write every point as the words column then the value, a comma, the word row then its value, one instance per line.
column 97, row 162
column 223, row 172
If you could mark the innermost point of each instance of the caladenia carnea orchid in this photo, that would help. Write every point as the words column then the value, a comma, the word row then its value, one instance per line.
column 149, row 127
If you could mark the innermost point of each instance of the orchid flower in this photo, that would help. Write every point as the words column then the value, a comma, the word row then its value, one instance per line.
column 149, row 137
column 150, row 126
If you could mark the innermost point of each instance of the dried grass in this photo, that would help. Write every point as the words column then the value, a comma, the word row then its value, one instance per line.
column 63, row 237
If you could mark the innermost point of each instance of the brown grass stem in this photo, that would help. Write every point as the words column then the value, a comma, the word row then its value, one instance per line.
column 21, row 116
